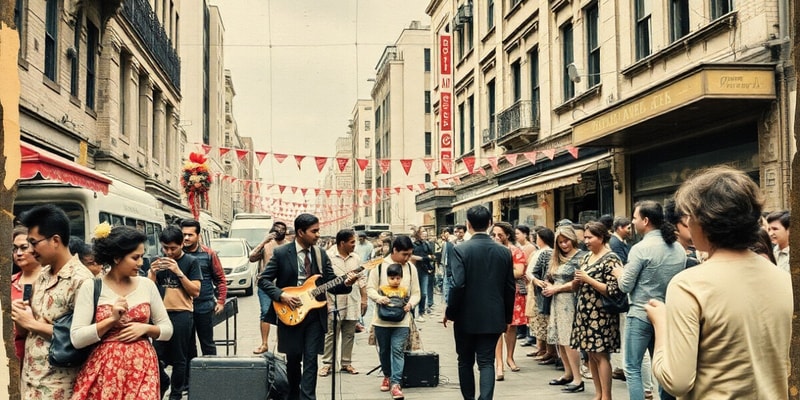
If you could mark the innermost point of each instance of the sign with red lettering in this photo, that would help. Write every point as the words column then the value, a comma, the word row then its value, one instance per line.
column 445, row 52
column 445, row 104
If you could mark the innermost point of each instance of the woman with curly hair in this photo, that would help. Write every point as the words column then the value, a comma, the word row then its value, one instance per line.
column 124, row 363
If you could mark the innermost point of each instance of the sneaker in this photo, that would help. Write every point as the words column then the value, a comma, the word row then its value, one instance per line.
column 585, row 372
column 385, row 384
column 420, row 319
column 396, row 392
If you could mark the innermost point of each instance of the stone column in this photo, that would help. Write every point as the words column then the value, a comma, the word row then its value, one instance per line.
column 145, row 119
column 159, row 129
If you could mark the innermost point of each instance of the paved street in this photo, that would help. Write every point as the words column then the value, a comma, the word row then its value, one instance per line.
column 530, row 382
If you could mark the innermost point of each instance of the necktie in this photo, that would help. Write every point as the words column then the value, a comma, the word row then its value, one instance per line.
column 307, row 263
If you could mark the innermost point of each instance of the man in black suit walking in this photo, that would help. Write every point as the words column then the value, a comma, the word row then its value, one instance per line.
column 481, row 302
column 290, row 266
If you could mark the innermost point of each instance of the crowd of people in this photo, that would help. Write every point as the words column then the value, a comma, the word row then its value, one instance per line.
column 691, row 273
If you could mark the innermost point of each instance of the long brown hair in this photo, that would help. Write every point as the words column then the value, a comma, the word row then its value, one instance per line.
column 558, row 257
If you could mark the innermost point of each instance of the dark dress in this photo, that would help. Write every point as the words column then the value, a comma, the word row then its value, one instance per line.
column 594, row 329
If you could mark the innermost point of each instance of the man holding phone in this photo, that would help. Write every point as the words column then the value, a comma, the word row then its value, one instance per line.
column 178, row 278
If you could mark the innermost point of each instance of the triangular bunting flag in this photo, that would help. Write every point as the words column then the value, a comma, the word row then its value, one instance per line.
column 260, row 156
column 428, row 164
column 447, row 165
column 435, row 184
column 406, row 165
column 493, row 164
column 573, row 151
column 397, row 189
column 206, row 148
column 223, row 151
column 550, row 153
column 320, row 161
column 385, row 163
column 303, row 191
column 362, row 163
column 293, row 189
column 339, row 192
column 531, row 156
column 481, row 171
column 512, row 158
column 281, row 188
column 299, row 159
column 410, row 188
column 328, row 193
column 421, row 186
column 241, row 154
column 279, row 157
column 469, row 162
column 342, row 163
column 316, row 191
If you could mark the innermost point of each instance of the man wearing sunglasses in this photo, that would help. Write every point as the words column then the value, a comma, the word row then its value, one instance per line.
column 53, row 296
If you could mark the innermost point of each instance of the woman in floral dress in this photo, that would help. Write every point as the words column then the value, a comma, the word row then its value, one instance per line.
column 595, row 331
column 502, row 233
column 566, row 258
column 124, row 363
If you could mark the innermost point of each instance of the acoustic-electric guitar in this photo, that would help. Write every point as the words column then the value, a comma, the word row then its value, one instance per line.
column 308, row 295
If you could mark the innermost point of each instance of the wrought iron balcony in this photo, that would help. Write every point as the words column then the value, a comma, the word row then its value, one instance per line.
column 146, row 24
column 488, row 134
column 523, row 116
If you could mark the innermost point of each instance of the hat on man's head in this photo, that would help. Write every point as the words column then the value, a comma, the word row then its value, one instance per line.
column 564, row 222
column 362, row 234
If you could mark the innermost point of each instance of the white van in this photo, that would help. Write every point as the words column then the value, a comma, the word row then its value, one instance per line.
column 251, row 227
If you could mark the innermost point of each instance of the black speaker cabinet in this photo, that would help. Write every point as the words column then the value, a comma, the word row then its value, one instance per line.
column 421, row 369
column 222, row 377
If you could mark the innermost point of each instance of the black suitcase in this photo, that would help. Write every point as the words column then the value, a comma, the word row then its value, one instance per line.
column 421, row 369
column 224, row 377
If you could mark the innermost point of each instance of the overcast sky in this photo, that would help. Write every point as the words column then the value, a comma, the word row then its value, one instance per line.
column 296, row 97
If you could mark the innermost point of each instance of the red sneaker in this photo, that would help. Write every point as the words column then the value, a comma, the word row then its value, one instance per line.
column 396, row 392
column 385, row 384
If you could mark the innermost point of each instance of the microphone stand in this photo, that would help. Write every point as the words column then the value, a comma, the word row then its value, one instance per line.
column 335, row 315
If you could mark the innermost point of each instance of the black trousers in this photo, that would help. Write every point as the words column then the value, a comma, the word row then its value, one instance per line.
column 175, row 352
column 303, row 384
column 471, row 348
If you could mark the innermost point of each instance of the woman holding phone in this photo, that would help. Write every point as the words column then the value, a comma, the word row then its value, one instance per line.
column 22, row 281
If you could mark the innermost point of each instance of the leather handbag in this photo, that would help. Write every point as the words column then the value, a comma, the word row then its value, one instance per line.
column 616, row 304
column 62, row 353
column 392, row 312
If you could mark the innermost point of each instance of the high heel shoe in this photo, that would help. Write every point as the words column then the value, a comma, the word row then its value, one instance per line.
column 560, row 381
column 499, row 377
column 573, row 388
column 514, row 367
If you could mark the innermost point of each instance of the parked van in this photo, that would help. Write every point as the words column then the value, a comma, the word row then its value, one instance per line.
column 250, row 227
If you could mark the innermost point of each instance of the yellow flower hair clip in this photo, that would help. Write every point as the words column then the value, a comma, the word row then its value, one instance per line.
column 102, row 231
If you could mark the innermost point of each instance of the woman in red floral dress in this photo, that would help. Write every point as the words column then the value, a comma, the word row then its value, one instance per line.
column 124, row 363
column 502, row 232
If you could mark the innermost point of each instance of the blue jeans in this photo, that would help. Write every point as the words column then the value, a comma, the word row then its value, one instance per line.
column 447, row 283
column 265, row 303
column 639, row 337
column 424, row 277
column 391, row 351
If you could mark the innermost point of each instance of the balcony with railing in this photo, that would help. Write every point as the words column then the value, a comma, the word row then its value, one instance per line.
column 521, row 119
column 146, row 24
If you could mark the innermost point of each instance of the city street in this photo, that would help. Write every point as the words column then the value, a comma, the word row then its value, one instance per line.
column 528, row 383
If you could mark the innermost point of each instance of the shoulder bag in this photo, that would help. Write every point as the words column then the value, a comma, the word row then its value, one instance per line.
column 618, row 303
column 392, row 312
column 62, row 353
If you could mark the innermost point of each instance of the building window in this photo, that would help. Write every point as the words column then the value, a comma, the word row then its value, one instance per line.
column 92, row 36
column 50, row 39
column 123, row 94
column 471, row 105
column 643, row 30
column 367, row 125
column 678, row 19
column 533, row 61
column 156, row 145
column 378, row 118
column 513, row 3
column 516, row 81
column 427, row 53
column 427, row 177
column 460, row 42
column 462, row 131
column 427, row 102
column 569, row 58
column 19, row 12
column 720, row 8
column 490, row 93
column 592, row 45
column 469, row 34
column 74, row 73
column 490, row 14
column 428, row 143
column 366, row 142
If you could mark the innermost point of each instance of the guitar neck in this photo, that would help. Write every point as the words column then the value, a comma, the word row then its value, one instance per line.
column 331, row 283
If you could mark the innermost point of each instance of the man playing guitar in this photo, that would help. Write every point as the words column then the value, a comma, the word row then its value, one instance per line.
column 290, row 266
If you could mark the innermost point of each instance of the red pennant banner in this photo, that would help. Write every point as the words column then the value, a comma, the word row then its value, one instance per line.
column 316, row 191
column 293, row 189
column 339, row 192
column 281, row 188
column 410, row 188
column 493, row 164
column 303, row 191
column 328, row 193
column 260, row 155
column 435, row 184
column 421, row 186
column 469, row 162
column 342, row 162
column 247, row 185
column 550, row 153
column 397, row 189
column 241, row 154
column 362, row 163
column 320, row 161
column 279, row 157
column 447, row 165
column 512, row 158
column 299, row 159
column 369, row 192
column 428, row 164
column 206, row 148
column 385, row 164
column 481, row 171
column 223, row 151
column 406, row 165
column 573, row 151
column 379, row 191
column 531, row 156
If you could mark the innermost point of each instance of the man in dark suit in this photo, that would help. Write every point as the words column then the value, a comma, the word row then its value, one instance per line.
column 481, row 302
column 290, row 266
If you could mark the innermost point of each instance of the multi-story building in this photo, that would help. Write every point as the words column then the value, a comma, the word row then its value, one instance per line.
column 648, row 92
column 240, row 166
column 100, row 87
column 401, row 123
column 362, row 148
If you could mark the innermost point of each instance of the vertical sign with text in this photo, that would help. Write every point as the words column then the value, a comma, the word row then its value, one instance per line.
column 445, row 104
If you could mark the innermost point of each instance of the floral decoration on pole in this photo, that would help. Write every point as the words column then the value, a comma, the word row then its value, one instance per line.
column 196, row 180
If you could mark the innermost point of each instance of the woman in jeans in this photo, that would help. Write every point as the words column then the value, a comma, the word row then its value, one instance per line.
column 391, row 336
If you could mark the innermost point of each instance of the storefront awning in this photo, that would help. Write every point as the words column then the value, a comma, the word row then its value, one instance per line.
column 50, row 166
column 566, row 175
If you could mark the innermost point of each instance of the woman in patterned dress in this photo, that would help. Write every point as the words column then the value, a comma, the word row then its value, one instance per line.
column 566, row 258
column 124, row 363
column 595, row 331
column 538, row 265
column 502, row 232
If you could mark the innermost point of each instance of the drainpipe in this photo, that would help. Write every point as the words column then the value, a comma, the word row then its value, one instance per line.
column 783, row 65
